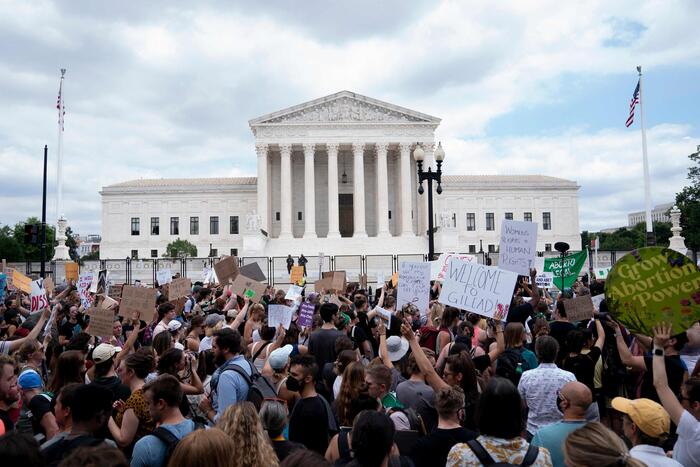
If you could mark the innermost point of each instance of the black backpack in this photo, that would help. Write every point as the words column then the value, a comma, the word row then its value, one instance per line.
column 259, row 387
column 486, row 459
column 170, row 440
column 415, row 420
column 511, row 365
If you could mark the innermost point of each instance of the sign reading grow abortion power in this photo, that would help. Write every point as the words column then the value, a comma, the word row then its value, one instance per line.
column 651, row 285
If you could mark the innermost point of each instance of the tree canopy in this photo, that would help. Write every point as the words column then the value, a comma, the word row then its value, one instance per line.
column 178, row 248
column 688, row 201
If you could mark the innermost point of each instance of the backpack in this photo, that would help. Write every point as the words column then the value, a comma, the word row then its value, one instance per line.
column 259, row 387
column 429, row 338
column 511, row 365
column 170, row 440
column 486, row 459
column 415, row 420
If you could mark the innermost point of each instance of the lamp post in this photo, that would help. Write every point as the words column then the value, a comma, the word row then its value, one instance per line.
column 429, row 175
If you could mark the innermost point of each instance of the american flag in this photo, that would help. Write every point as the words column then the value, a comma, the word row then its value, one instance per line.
column 633, row 104
column 59, row 104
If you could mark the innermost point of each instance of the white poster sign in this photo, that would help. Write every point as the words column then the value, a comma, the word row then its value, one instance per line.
column 84, row 282
column 544, row 280
column 386, row 314
column 279, row 314
column 164, row 276
column 518, row 246
column 294, row 292
column 539, row 263
column 484, row 290
column 596, row 299
column 414, row 285
column 381, row 280
column 438, row 269
column 39, row 301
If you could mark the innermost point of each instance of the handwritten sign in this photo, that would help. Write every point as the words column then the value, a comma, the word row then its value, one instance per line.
column 21, row 282
column 84, row 282
column 247, row 287
column 544, row 280
column 108, row 303
column 381, row 280
column 115, row 290
column 137, row 299
column 71, row 271
column 338, row 281
column 386, row 314
column 39, row 301
column 253, row 271
column 414, row 285
column 297, row 274
column 438, row 268
column 101, row 322
column 279, row 314
column 294, row 292
column 207, row 275
column 518, row 246
column 484, row 290
column 179, row 304
column 227, row 270
column 179, row 288
column 579, row 308
column 164, row 276
column 306, row 314
column 322, row 284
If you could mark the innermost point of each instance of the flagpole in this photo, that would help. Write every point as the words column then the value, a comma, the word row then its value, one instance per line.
column 650, row 238
column 61, row 252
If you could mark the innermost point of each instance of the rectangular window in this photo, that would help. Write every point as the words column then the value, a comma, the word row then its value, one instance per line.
column 492, row 248
column 546, row 221
column 390, row 214
column 214, row 253
column 509, row 216
column 174, row 226
column 134, row 254
column 154, row 253
column 472, row 248
column 547, row 247
column 155, row 225
column 135, row 226
column 299, row 215
column 490, row 222
column 454, row 220
column 471, row 221
column 214, row 225
column 527, row 217
column 234, row 251
column 277, row 216
column 194, row 225
column 233, row 225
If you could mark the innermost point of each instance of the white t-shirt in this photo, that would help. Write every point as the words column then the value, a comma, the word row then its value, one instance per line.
column 205, row 344
column 687, row 448
column 160, row 327
column 336, row 386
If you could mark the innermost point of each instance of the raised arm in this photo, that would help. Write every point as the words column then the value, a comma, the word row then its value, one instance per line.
column 662, row 333
column 383, row 352
column 33, row 334
column 600, row 341
column 135, row 318
column 535, row 292
column 500, row 342
column 633, row 361
column 431, row 376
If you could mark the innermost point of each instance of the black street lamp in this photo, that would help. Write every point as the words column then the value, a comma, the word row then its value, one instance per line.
column 429, row 175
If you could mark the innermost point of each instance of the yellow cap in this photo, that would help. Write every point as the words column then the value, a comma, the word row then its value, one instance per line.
column 649, row 416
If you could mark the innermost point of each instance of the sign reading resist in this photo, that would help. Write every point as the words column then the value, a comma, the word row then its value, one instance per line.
column 518, row 246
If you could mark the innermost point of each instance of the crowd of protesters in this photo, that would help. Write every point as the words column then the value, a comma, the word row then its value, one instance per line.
column 211, row 384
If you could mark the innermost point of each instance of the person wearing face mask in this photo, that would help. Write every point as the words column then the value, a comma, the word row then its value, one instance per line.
column 312, row 422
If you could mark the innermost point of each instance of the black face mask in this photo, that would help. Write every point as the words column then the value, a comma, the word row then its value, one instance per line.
column 559, row 401
column 294, row 384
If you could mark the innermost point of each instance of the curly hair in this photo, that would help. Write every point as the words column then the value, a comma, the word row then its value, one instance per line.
column 242, row 424
column 350, row 387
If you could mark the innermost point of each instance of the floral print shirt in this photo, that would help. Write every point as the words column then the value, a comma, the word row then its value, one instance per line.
column 510, row 451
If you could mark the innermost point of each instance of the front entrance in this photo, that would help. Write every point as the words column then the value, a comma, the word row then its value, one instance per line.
column 345, row 215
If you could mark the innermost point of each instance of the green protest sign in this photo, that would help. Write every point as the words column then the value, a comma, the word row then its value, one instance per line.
column 569, row 267
column 651, row 285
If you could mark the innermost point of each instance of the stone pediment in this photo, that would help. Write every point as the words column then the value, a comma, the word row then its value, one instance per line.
column 345, row 107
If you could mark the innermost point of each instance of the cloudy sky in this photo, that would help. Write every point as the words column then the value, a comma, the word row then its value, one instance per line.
column 165, row 88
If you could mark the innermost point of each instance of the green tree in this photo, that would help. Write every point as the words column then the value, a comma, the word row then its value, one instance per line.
column 33, row 252
column 626, row 239
column 688, row 201
column 92, row 256
column 180, row 247
column 10, row 248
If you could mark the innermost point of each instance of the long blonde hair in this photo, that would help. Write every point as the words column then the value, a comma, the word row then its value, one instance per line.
column 251, row 445
column 350, row 387
column 593, row 445
column 204, row 448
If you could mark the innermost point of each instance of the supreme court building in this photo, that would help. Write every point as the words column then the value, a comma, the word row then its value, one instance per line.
column 334, row 175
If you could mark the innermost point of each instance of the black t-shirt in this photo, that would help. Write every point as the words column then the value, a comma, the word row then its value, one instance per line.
column 358, row 336
column 520, row 313
column 68, row 329
column 674, row 371
column 119, row 391
column 433, row 449
column 322, row 345
column 482, row 362
column 7, row 421
column 56, row 452
column 39, row 406
column 308, row 424
column 283, row 448
column 559, row 330
column 583, row 366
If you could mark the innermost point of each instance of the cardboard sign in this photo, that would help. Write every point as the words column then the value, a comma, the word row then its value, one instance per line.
column 395, row 279
column 84, row 282
column 297, row 274
column 39, row 300
column 518, row 246
column 651, row 285
column 181, row 287
column 21, row 282
column 579, row 308
column 322, row 284
column 544, row 280
column 338, row 281
column 254, row 272
column 414, row 286
column 141, row 299
column 438, row 268
column 71, row 271
column 484, row 290
column 115, row 290
column 306, row 314
column 568, row 267
column 363, row 281
column 164, row 276
column 294, row 292
column 101, row 322
column 227, row 270
column 3, row 283
column 108, row 303
column 49, row 286
column 179, row 304
column 247, row 287
column 279, row 314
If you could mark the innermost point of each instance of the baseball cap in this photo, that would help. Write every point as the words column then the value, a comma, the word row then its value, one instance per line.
column 278, row 358
column 213, row 319
column 103, row 352
column 29, row 379
column 648, row 415
column 174, row 325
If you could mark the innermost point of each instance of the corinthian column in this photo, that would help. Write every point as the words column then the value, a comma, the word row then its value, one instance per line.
column 309, row 194
column 358, row 150
column 406, row 190
column 261, row 151
column 333, row 215
column 286, row 190
column 382, row 192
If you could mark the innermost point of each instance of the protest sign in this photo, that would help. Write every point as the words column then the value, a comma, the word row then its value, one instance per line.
column 338, row 281
column 247, row 287
column 71, row 271
column 297, row 274
column 306, row 314
column 381, row 280
column 294, row 292
column 568, row 267
column 395, row 279
column 439, row 267
column 179, row 288
column 226, row 270
column 484, row 290
column 101, row 284
column 141, row 299
column 651, row 285
column 108, row 303
column 579, row 308
column 101, row 322
column 253, row 271
column 115, row 290
column 518, row 246
column 179, row 304
column 544, row 280
column 21, row 282
column 84, row 282
column 414, row 286
column 538, row 264
column 322, row 284
column 601, row 273
column 164, row 276
column 597, row 299
column 363, row 281
column 3, row 283
column 386, row 314
column 49, row 286
column 279, row 314
column 207, row 275
column 38, row 299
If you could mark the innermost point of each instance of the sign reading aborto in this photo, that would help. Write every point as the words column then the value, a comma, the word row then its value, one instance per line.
column 518, row 246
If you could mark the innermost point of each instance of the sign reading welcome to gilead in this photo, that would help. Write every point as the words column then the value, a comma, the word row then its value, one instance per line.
column 651, row 285
column 484, row 290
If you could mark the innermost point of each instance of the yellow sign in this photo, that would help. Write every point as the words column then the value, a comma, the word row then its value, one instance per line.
column 21, row 282
column 395, row 279
column 297, row 274
column 71, row 271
